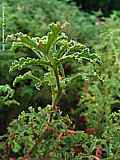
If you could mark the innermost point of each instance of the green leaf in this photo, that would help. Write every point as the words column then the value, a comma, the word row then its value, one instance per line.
column 25, row 62
column 16, row 147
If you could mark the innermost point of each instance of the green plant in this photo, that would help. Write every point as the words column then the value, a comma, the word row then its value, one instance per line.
column 40, row 135
column 52, row 51
column 32, row 137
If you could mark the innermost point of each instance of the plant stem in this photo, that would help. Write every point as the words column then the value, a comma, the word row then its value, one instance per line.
column 56, row 93
column 58, row 88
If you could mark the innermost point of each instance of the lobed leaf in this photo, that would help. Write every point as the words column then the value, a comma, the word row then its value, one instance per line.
column 25, row 62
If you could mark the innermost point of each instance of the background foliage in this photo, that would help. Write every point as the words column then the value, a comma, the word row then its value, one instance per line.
column 83, row 124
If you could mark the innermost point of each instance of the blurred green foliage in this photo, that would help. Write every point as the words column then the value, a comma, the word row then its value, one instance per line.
column 33, row 17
